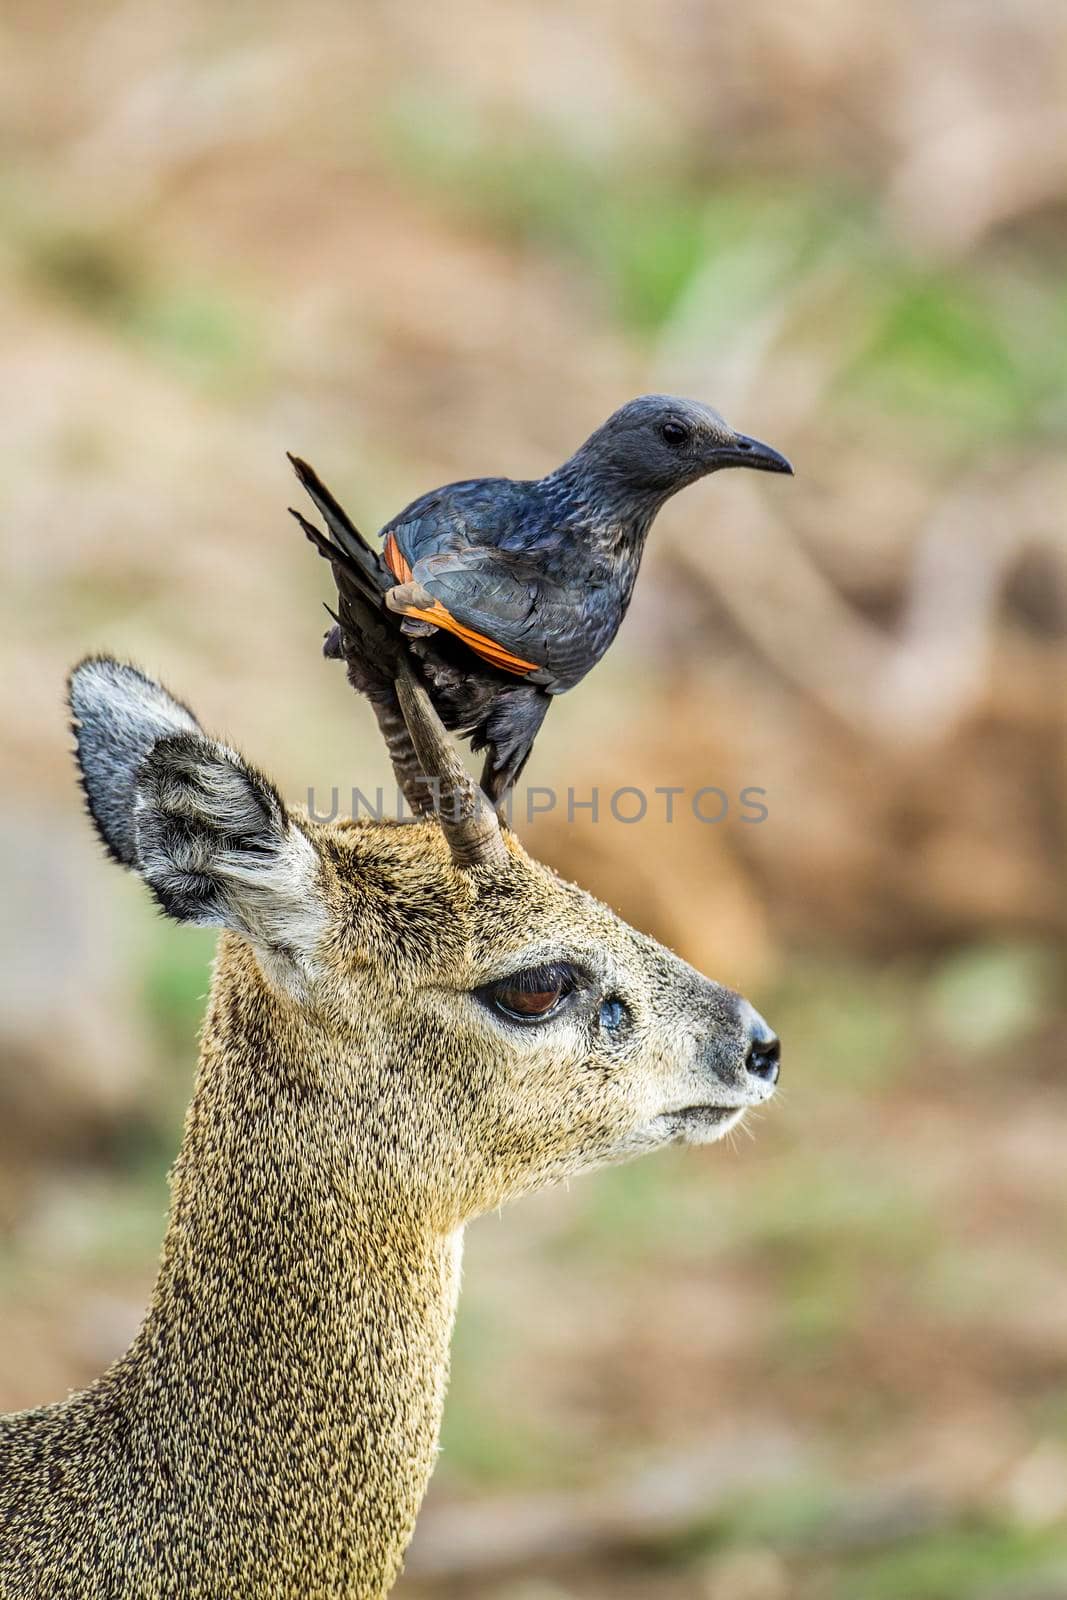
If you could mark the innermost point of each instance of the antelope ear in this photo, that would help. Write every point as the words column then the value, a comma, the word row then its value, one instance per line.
column 216, row 846
column 210, row 836
column 119, row 714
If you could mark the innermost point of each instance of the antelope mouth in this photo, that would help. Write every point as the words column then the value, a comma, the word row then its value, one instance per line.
column 701, row 1124
column 707, row 1113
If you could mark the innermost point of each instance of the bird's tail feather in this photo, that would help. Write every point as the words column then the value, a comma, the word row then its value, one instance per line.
column 348, row 571
column 345, row 546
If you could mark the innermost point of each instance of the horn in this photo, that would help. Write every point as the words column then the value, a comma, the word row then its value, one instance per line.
column 469, row 822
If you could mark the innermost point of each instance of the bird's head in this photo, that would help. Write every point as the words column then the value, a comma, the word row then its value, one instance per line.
column 658, row 443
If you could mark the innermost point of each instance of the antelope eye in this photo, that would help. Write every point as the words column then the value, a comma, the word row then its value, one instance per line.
column 675, row 433
column 534, row 994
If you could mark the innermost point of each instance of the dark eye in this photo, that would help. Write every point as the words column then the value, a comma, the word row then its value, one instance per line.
column 613, row 1013
column 675, row 433
column 534, row 994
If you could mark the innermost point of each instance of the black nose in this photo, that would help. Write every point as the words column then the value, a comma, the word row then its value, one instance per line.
column 764, row 1054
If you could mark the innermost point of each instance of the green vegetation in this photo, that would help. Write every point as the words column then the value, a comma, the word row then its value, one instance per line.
column 176, row 974
column 202, row 331
column 985, row 997
column 944, row 349
column 963, row 1563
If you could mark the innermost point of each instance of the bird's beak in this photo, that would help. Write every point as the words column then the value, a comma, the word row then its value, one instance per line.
column 746, row 452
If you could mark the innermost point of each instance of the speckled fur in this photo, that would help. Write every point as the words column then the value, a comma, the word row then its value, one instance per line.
column 272, row 1428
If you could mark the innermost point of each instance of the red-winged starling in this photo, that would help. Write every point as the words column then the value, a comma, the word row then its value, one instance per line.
column 505, row 591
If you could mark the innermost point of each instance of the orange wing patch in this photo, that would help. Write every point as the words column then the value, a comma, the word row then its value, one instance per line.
column 480, row 643
column 394, row 560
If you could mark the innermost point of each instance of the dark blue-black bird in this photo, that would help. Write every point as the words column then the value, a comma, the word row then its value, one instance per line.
column 507, row 591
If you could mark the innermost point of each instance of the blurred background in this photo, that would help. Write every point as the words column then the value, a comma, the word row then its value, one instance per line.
column 420, row 242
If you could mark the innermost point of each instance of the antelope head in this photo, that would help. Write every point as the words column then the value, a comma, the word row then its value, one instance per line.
column 464, row 1025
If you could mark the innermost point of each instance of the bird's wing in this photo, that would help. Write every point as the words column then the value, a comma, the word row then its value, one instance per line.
column 458, row 516
column 501, row 605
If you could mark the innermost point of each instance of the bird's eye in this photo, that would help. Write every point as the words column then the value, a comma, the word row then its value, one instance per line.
column 675, row 433
column 533, row 995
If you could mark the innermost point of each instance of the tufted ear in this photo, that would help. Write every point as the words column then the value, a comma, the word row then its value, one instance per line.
column 210, row 836
column 119, row 714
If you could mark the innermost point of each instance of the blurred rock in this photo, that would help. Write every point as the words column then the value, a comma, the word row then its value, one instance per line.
column 747, row 1574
